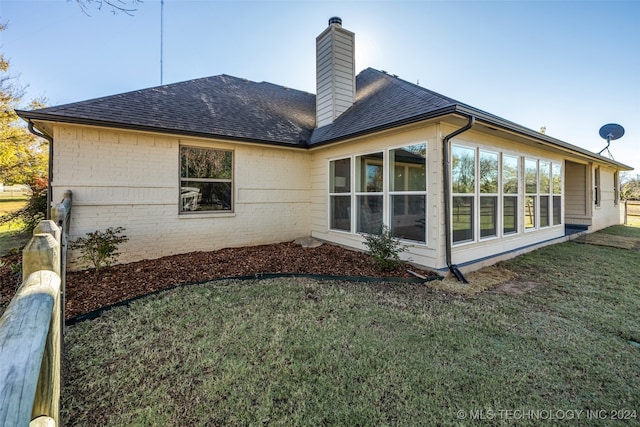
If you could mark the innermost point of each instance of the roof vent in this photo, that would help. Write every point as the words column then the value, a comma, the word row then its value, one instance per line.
column 335, row 20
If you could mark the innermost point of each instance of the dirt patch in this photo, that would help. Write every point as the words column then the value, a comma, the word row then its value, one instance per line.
column 88, row 290
column 515, row 288
column 479, row 281
column 602, row 239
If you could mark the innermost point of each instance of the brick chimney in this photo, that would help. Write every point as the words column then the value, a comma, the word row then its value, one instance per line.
column 335, row 72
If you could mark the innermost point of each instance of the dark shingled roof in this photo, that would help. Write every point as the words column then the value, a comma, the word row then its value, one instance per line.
column 232, row 108
column 381, row 101
column 222, row 106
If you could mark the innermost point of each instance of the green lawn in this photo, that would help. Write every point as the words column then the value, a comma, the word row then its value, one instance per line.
column 301, row 352
column 11, row 236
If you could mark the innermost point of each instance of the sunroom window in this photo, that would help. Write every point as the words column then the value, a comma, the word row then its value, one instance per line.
column 408, row 191
column 545, row 192
column 369, row 193
column 206, row 180
column 340, row 195
column 556, row 183
column 531, row 193
column 463, row 170
column 488, row 194
column 510, row 177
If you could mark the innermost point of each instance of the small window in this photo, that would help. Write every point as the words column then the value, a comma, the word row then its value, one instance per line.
column 556, row 179
column 597, row 189
column 340, row 195
column 510, row 176
column 463, row 184
column 616, row 188
column 369, row 193
column 531, row 193
column 206, row 180
column 489, row 171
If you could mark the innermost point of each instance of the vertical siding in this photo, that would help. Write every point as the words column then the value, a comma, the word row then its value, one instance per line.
column 608, row 213
column 335, row 73
column 576, row 189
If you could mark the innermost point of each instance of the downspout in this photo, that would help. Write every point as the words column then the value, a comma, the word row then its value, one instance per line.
column 447, row 198
column 50, row 166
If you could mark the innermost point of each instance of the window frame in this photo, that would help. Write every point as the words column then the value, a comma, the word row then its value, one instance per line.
column 597, row 187
column 231, row 181
column 340, row 194
column 407, row 193
column 489, row 195
column 463, row 196
column 511, row 195
column 358, row 188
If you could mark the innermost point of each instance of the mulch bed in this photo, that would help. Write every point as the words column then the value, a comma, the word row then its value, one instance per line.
column 89, row 290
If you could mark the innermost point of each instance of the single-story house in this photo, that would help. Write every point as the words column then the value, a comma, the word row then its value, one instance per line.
column 222, row 162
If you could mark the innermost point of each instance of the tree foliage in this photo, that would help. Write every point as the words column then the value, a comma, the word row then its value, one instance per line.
column 116, row 6
column 23, row 157
column 630, row 189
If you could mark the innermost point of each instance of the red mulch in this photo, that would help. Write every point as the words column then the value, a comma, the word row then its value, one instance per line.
column 88, row 290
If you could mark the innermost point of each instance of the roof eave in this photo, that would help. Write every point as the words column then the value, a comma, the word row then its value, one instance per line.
column 498, row 122
column 386, row 126
column 47, row 117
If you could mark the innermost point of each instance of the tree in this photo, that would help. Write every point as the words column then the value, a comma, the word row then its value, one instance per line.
column 630, row 189
column 116, row 6
column 23, row 157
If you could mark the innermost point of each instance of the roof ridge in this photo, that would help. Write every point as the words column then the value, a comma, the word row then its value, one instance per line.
column 415, row 89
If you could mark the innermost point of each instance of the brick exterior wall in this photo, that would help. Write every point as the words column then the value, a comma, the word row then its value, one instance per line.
column 131, row 180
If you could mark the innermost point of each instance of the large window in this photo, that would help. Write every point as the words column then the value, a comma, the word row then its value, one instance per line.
column 408, row 191
column 496, row 194
column 340, row 194
column 510, row 177
column 488, row 194
column 369, row 193
column 206, row 180
column 545, row 192
column 556, row 184
column 463, row 171
column 530, row 193
column 369, row 190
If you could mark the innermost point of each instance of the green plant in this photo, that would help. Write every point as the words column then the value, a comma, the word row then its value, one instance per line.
column 16, row 267
column 100, row 248
column 384, row 249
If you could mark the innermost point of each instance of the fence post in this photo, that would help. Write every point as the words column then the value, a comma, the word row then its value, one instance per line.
column 626, row 211
column 43, row 253
column 25, row 330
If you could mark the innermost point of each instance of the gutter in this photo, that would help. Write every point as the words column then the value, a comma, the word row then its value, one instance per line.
column 50, row 166
column 447, row 197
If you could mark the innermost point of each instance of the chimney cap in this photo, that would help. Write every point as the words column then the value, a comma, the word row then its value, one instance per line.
column 335, row 20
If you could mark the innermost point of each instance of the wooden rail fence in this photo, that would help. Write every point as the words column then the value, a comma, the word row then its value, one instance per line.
column 31, row 330
column 631, row 209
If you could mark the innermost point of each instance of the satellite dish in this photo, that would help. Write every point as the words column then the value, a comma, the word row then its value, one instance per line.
column 610, row 132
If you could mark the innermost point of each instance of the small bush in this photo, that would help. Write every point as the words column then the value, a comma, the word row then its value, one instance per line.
column 100, row 248
column 384, row 249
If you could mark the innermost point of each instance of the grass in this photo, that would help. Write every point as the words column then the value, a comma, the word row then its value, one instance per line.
column 11, row 235
column 303, row 352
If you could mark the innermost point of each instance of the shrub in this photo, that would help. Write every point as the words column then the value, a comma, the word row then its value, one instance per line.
column 100, row 248
column 384, row 249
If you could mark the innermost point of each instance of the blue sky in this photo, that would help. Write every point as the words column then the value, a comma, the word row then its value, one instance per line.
column 569, row 66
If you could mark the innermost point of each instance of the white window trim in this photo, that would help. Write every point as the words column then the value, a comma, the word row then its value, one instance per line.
column 207, row 213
